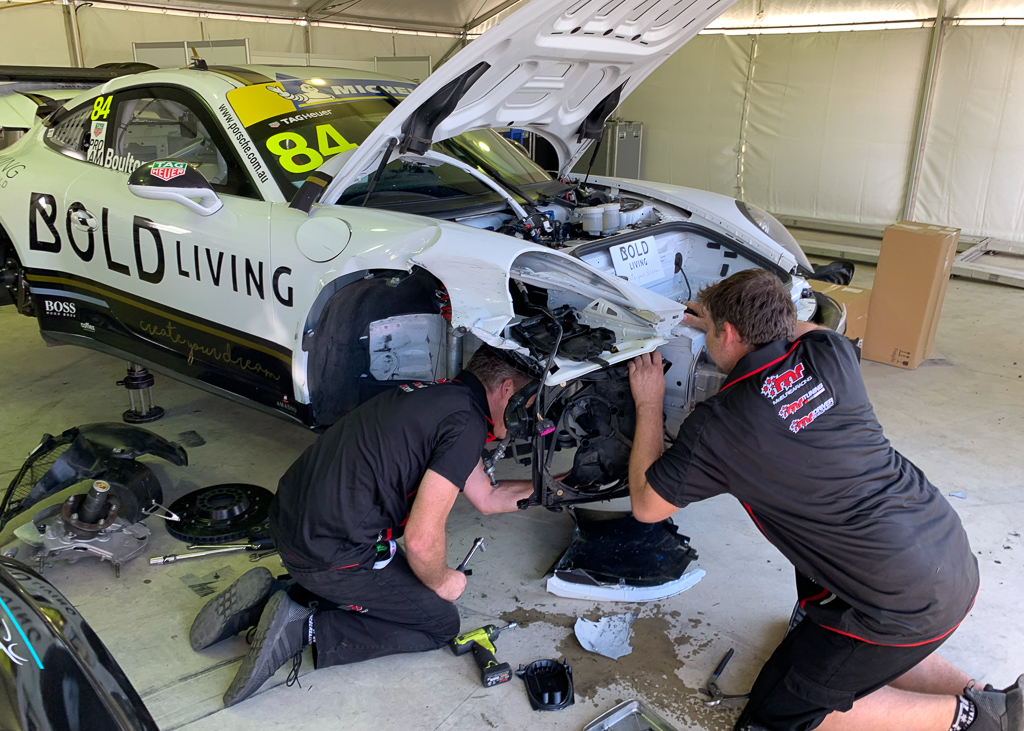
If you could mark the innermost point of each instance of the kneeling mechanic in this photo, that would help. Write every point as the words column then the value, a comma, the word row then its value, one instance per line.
column 884, row 571
column 392, row 466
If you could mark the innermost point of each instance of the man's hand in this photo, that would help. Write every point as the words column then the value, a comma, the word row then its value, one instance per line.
column 647, row 381
column 453, row 586
column 701, row 321
column 492, row 500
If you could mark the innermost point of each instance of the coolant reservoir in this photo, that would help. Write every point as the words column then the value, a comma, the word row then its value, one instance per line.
column 611, row 218
column 592, row 219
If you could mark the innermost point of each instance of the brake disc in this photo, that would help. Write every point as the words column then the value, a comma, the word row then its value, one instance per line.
column 222, row 514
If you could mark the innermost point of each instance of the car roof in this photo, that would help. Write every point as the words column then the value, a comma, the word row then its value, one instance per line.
column 216, row 81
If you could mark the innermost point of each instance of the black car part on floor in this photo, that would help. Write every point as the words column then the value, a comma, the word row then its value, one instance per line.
column 612, row 548
column 55, row 672
column 222, row 514
column 548, row 684
column 91, row 452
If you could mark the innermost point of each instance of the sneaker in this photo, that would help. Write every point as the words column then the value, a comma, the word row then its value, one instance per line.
column 280, row 636
column 999, row 710
column 236, row 608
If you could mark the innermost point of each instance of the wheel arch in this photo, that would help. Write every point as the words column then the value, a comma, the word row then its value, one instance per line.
column 335, row 337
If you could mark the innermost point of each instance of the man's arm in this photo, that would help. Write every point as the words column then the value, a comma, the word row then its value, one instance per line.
column 491, row 500
column 647, row 381
column 426, row 544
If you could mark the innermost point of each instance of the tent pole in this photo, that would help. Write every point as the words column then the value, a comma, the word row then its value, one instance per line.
column 924, row 111
column 74, row 37
column 308, row 40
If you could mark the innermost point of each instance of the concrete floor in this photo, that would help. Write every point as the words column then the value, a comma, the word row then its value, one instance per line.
column 960, row 416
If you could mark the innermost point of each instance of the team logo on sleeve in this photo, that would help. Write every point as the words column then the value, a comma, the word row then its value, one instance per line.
column 804, row 421
column 781, row 382
column 791, row 408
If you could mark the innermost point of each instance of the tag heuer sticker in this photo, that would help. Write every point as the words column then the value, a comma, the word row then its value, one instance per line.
column 99, row 130
column 168, row 170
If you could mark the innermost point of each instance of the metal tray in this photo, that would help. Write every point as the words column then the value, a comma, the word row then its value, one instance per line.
column 631, row 715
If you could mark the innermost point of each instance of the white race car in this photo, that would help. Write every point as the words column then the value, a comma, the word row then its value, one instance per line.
column 300, row 239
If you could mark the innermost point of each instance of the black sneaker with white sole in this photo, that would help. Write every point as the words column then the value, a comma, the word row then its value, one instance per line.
column 235, row 609
column 998, row 710
column 281, row 634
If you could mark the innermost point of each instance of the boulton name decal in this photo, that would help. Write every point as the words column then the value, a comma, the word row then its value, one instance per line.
column 155, row 259
column 104, row 157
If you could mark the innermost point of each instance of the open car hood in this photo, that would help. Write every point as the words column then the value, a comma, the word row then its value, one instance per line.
column 556, row 67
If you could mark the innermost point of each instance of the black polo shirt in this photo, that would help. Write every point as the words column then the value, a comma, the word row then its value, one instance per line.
column 793, row 437
column 354, row 486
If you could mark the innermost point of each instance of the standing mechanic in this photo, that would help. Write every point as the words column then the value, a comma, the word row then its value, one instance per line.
column 393, row 465
column 884, row 571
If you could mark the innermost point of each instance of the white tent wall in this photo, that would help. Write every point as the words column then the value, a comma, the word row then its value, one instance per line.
column 33, row 35
column 747, row 13
column 831, row 123
column 692, row 108
column 366, row 44
column 107, row 34
column 972, row 175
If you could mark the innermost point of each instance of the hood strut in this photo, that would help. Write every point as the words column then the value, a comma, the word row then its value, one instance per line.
column 592, row 128
column 418, row 130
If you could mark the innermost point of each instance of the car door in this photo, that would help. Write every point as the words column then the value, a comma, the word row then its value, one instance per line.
column 189, row 292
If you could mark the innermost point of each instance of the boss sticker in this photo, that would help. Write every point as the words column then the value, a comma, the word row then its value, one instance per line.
column 60, row 308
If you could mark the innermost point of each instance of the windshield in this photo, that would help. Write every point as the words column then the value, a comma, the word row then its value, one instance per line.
column 297, row 124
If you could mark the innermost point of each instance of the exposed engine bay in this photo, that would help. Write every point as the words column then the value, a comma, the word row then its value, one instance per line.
column 566, row 323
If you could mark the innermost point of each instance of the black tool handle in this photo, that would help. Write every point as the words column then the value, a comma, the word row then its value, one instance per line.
column 721, row 666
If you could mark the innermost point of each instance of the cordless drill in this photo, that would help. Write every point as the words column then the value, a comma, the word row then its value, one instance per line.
column 481, row 642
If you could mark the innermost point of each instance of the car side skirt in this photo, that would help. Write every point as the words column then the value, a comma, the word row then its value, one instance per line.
column 220, row 360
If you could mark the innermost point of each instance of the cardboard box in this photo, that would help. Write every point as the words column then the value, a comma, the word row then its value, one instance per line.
column 856, row 301
column 910, row 285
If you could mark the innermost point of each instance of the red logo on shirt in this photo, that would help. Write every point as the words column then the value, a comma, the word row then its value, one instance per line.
column 789, row 409
column 774, row 385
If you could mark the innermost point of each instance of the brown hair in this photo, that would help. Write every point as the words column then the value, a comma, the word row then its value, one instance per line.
column 492, row 370
column 755, row 302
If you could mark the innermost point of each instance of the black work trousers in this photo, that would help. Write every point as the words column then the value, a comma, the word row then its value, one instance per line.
column 371, row 613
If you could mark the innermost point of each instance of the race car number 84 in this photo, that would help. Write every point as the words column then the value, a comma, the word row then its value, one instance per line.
column 101, row 108
column 296, row 156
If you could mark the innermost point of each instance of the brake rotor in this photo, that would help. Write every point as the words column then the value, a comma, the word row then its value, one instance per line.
column 222, row 514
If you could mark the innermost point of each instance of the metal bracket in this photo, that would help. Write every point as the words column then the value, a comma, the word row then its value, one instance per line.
column 168, row 514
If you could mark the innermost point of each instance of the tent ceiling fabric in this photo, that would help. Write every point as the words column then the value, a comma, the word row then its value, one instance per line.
column 436, row 15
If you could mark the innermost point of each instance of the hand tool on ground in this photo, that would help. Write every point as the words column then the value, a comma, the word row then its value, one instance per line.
column 478, row 543
column 711, row 687
column 261, row 549
column 481, row 643
column 175, row 557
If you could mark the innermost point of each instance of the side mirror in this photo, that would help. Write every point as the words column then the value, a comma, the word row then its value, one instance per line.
column 173, row 180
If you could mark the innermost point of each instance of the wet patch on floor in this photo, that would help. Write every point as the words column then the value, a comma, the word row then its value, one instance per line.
column 649, row 672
